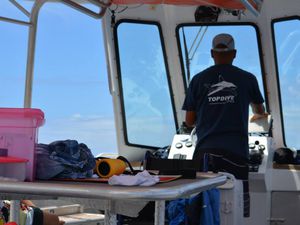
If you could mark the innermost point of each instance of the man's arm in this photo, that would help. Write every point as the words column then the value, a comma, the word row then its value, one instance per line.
column 258, row 111
column 48, row 218
column 190, row 118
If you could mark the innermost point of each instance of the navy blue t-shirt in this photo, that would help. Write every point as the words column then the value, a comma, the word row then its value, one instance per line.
column 220, row 96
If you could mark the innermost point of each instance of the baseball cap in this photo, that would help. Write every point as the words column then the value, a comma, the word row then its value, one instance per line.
column 225, row 40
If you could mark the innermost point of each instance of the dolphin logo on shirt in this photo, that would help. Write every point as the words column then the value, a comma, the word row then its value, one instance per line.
column 222, row 85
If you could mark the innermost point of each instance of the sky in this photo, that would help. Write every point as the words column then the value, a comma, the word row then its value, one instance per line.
column 70, row 77
column 145, row 86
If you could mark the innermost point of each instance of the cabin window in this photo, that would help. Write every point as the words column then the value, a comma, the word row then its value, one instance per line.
column 13, row 53
column 287, row 46
column 196, row 42
column 70, row 80
column 145, row 91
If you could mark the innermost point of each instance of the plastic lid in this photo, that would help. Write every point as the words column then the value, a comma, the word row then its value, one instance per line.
column 9, row 159
column 23, row 112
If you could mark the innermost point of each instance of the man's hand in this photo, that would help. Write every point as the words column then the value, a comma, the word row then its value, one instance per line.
column 258, row 116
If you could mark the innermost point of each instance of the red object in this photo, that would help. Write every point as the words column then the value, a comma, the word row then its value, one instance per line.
column 11, row 223
column 12, row 160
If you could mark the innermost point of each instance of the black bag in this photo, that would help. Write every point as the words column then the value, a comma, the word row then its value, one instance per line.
column 284, row 156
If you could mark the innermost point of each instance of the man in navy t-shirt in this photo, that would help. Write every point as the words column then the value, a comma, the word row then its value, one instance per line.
column 217, row 103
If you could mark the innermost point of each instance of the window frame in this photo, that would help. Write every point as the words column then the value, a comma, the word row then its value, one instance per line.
column 119, row 75
column 38, row 78
column 282, row 19
column 259, row 44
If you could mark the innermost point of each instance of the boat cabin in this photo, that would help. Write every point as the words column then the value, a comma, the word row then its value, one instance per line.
column 152, row 50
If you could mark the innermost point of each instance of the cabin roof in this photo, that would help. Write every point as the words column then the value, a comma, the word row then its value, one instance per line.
column 229, row 4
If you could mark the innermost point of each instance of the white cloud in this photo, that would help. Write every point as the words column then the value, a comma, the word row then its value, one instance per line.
column 76, row 116
column 294, row 92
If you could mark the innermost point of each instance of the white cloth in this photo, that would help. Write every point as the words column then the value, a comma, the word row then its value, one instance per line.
column 29, row 218
column 140, row 179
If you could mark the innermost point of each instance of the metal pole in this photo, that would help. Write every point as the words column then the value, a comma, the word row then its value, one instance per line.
column 159, row 216
column 84, row 10
column 32, row 41
column 5, row 19
column 250, row 7
column 21, row 8
column 14, row 211
column 110, row 218
column 31, row 51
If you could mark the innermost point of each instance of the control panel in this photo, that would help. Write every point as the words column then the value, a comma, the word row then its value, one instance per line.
column 183, row 147
column 258, row 152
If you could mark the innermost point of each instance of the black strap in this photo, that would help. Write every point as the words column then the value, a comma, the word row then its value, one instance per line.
column 132, row 171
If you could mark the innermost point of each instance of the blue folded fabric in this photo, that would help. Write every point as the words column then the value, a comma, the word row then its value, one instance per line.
column 64, row 159
column 176, row 211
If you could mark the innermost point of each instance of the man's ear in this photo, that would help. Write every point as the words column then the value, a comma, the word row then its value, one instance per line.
column 212, row 53
column 234, row 53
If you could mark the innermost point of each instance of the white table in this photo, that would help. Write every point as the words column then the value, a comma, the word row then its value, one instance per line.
column 159, row 193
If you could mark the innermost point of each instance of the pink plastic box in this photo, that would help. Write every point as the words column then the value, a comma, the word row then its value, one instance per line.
column 19, row 134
